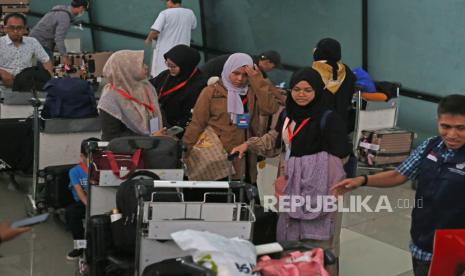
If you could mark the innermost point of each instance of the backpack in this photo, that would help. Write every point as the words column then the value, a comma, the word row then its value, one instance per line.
column 124, row 230
column 31, row 78
column 69, row 98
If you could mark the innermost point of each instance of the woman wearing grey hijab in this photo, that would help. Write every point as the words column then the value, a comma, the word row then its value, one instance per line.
column 232, row 106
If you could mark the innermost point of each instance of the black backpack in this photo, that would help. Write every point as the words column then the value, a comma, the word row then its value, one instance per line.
column 124, row 229
column 69, row 98
column 30, row 78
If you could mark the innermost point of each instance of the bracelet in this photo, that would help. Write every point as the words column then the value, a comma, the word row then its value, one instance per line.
column 365, row 180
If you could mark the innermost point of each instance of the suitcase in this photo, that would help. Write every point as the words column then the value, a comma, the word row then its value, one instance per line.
column 16, row 148
column 58, row 195
column 384, row 146
column 99, row 244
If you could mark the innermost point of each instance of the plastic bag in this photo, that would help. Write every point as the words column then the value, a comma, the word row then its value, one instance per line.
column 294, row 264
column 225, row 256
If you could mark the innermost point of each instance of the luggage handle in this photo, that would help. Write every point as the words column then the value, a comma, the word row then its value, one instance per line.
column 114, row 165
column 205, row 195
column 152, row 199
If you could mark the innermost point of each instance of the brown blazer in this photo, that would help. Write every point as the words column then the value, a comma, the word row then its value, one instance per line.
column 211, row 110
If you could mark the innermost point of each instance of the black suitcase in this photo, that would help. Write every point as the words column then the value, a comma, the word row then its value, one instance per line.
column 99, row 244
column 16, row 148
column 264, row 228
column 58, row 195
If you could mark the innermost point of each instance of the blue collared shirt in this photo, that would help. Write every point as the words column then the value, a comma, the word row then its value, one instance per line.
column 14, row 59
column 409, row 168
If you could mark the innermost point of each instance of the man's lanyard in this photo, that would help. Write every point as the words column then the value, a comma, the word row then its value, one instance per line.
column 177, row 87
column 291, row 133
column 84, row 167
column 129, row 97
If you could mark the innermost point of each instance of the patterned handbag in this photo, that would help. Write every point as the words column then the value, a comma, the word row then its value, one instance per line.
column 208, row 159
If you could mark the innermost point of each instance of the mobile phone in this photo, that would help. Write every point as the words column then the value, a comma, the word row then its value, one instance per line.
column 174, row 130
column 30, row 221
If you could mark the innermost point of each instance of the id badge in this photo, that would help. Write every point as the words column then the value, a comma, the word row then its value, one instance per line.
column 288, row 152
column 154, row 126
column 243, row 120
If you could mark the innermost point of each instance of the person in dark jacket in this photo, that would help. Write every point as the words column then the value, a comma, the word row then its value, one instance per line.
column 179, row 87
column 338, row 78
column 438, row 164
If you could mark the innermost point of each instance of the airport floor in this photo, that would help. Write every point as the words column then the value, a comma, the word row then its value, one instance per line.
column 371, row 243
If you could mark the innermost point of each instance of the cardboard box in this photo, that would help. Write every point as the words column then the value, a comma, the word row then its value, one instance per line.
column 20, row 9
column 14, row 2
column 99, row 59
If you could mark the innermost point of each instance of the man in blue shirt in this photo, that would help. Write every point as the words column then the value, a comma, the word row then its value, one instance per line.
column 439, row 166
column 76, row 211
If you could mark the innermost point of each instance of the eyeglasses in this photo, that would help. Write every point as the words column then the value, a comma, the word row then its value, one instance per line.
column 12, row 28
column 171, row 65
column 305, row 90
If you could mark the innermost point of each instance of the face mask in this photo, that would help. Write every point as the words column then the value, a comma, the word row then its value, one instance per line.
column 80, row 14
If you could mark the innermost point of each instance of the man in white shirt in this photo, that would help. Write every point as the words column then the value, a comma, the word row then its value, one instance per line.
column 172, row 27
column 18, row 52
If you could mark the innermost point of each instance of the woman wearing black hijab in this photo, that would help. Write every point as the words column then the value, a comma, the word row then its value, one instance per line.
column 179, row 86
column 338, row 79
column 316, row 128
column 316, row 142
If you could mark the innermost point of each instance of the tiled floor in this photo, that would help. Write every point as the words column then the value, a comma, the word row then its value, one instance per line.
column 371, row 243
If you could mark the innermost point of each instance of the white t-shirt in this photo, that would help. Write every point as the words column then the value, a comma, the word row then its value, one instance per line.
column 175, row 26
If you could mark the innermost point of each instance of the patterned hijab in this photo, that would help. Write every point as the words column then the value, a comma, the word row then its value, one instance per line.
column 123, row 73
column 234, row 62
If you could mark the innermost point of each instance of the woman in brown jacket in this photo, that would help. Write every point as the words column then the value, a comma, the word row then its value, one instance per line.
column 232, row 106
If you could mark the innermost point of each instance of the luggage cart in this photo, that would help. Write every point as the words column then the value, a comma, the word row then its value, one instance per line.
column 373, row 115
column 158, row 220
column 56, row 142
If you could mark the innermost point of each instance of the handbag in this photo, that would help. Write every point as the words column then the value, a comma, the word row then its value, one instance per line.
column 122, row 165
column 207, row 159
column 294, row 264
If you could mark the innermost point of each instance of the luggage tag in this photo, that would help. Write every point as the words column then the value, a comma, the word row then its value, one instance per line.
column 123, row 171
column 243, row 120
column 80, row 244
column 288, row 151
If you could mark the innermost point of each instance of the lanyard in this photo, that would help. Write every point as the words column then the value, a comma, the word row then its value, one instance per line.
column 245, row 100
column 177, row 87
column 292, row 134
column 129, row 97
column 84, row 168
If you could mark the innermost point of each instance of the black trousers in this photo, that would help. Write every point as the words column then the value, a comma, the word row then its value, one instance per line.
column 75, row 213
column 420, row 268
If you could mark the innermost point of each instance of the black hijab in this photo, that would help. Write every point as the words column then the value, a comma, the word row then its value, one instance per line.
column 296, row 112
column 325, row 131
column 183, row 56
column 328, row 49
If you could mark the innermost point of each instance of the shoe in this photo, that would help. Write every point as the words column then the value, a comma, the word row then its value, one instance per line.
column 74, row 254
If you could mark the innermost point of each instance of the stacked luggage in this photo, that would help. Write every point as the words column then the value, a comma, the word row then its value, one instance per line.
column 385, row 146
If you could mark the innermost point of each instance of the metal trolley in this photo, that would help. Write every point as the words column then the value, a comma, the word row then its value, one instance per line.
column 159, row 219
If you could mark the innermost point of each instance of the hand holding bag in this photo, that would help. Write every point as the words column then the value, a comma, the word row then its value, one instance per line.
column 207, row 159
